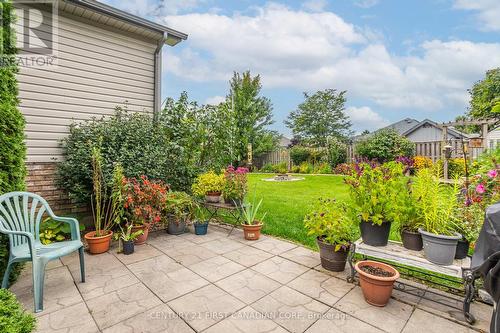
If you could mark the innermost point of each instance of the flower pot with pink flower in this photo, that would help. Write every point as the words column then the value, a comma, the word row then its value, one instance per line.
column 235, row 185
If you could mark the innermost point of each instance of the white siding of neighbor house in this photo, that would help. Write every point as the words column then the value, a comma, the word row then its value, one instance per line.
column 494, row 138
column 428, row 133
column 99, row 68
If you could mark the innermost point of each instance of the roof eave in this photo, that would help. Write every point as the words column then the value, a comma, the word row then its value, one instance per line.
column 173, row 36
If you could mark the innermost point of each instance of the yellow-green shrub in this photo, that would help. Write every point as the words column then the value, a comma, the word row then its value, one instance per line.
column 208, row 182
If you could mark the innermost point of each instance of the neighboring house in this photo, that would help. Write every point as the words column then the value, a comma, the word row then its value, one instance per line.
column 494, row 138
column 284, row 142
column 106, row 57
column 420, row 131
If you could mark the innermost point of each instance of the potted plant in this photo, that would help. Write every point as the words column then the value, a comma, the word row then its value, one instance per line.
column 235, row 185
column 376, row 280
column 201, row 221
column 334, row 232
column 126, row 239
column 144, row 203
column 372, row 191
column 252, row 225
column 436, row 204
column 208, row 185
column 179, row 206
column 406, row 218
column 106, row 205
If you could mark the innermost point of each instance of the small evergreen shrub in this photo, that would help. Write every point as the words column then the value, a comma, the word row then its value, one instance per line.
column 13, row 318
column 384, row 146
column 299, row 154
column 12, row 147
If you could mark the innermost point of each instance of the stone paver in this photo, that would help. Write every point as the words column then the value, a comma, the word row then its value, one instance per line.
column 223, row 284
column 280, row 269
column 291, row 309
column 321, row 287
column 156, row 320
column 216, row 268
column 71, row 319
column 248, row 256
column 336, row 321
column 167, row 279
column 117, row 306
column 248, row 285
column 302, row 256
column 274, row 246
column 391, row 318
column 205, row 307
column 246, row 320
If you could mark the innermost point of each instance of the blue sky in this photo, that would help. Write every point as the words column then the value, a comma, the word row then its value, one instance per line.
column 395, row 58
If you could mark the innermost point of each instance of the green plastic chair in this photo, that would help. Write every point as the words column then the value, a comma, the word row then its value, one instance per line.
column 20, row 217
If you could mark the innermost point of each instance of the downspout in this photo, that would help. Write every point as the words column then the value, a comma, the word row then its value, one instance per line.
column 157, row 77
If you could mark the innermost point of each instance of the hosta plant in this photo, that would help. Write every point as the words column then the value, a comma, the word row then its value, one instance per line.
column 330, row 222
column 55, row 231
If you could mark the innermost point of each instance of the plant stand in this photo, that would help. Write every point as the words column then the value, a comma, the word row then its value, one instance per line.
column 413, row 265
column 234, row 212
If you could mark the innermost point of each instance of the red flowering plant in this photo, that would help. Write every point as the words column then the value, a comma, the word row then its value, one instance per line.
column 235, row 183
column 145, row 200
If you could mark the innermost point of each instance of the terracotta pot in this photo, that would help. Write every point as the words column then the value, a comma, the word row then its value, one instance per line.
column 252, row 232
column 98, row 244
column 330, row 259
column 212, row 197
column 412, row 240
column 377, row 290
column 144, row 237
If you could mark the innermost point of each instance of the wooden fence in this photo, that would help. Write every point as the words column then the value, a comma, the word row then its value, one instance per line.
column 432, row 149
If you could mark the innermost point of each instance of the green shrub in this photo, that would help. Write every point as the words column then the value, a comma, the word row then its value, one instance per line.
column 131, row 139
column 13, row 318
column 385, row 145
column 323, row 168
column 306, row 167
column 281, row 167
column 12, row 147
column 268, row 168
column 336, row 152
column 295, row 169
column 299, row 154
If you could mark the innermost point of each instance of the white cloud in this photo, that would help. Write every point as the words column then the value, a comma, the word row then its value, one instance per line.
column 488, row 12
column 315, row 5
column 309, row 51
column 364, row 118
column 215, row 100
column 366, row 3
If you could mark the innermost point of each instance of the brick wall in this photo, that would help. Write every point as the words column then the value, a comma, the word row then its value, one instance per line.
column 41, row 179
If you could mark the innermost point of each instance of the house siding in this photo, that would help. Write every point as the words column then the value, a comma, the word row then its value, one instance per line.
column 99, row 68
column 428, row 133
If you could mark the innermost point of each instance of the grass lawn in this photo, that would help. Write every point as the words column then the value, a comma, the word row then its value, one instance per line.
column 286, row 203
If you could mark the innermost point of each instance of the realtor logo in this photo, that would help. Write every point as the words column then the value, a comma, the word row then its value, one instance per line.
column 36, row 31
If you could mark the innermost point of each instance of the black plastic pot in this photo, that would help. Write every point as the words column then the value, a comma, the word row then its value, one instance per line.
column 200, row 228
column 128, row 247
column 330, row 259
column 176, row 228
column 462, row 249
column 412, row 240
column 375, row 235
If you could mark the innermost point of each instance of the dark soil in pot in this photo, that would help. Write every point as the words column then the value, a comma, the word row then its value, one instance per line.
column 412, row 240
column 462, row 249
column 128, row 247
column 375, row 235
column 376, row 287
column 332, row 260
column 377, row 271
column 176, row 228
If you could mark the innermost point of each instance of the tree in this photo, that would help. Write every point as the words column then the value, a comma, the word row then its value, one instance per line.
column 251, row 114
column 319, row 117
column 12, row 147
column 485, row 96
column 385, row 145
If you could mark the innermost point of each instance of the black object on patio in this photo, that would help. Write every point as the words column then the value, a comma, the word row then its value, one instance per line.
column 486, row 264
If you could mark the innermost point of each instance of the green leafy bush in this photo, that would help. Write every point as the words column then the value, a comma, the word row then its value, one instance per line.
column 52, row 231
column 132, row 140
column 12, row 147
column 385, row 145
column 268, row 168
column 281, row 167
column 322, row 168
column 13, row 318
column 336, row 152
column 299, row 154
column 306, row 167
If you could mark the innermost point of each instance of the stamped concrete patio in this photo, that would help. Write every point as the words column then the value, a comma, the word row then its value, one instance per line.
column 218, row 284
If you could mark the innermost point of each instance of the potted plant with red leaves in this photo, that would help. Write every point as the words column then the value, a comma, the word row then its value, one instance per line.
column 235, row 185
column 107, row 205
column 334, row 229
column 208, row 185
column 144, row 202
column 180, row 207
column 376, row 280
